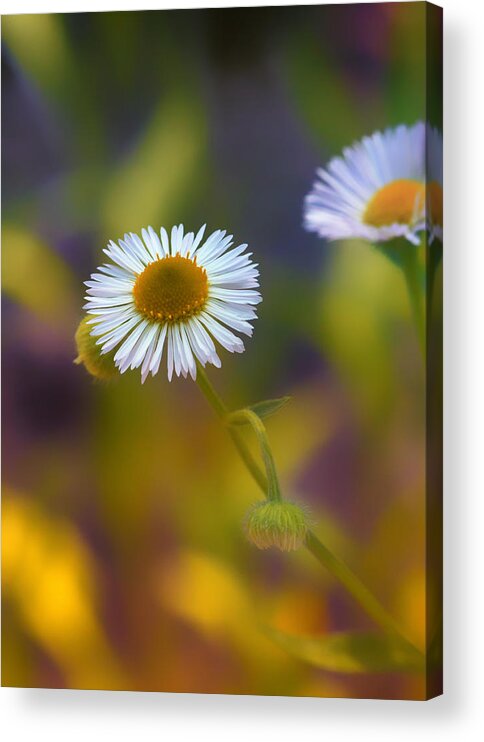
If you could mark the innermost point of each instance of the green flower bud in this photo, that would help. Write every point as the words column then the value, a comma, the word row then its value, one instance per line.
column 276, row 523
column 89, row 354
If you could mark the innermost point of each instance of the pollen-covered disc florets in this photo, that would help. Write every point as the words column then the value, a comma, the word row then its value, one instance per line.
column 171, row 288
column 278, row 524
column 178, row 293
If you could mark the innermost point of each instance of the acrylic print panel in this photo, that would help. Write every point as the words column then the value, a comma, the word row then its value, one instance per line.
column 222, row 285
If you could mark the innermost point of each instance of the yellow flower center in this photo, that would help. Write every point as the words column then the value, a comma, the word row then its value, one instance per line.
column 171, row 289
column 402, row 202
column 399, row 202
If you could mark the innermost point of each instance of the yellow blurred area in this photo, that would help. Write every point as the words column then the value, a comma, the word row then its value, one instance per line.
column 411, row 605
column 206, row 593
column 34, row 276
column 39, row 43
column 48, row 576
column 299, row 610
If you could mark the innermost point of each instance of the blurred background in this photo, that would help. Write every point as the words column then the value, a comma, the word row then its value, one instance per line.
column 125, row 565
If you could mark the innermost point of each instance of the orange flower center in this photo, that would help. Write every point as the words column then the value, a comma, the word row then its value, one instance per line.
column 171, row 289
column 399, row 202
column 402, row 202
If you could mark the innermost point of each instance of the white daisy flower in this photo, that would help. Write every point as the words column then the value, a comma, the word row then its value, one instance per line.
column 376, row 190
column 180, row 294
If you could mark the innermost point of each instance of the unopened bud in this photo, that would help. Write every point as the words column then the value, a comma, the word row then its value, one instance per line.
column 278, row 524
column 89, row 354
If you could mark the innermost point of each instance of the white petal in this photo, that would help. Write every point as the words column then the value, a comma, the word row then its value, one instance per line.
column 224, row 336
column 170, row 353
column 126, row 260
column 105, row 326
column 176, row 239
column 109, row 341
column 181, row 366
column 158, row 352
column 201, row 343
column 188, row 352
column 165, row 241
column 145, row 368
column 127, row 346
column 229, row 318
column 198, row 239
column 152, row 242
column 239, row 296
column 142, row 346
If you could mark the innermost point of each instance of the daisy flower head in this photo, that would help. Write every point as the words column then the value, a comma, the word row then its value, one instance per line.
column 178, row 293
column 376, row 190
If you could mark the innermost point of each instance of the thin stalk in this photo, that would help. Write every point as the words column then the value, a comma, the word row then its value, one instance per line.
column 325, row 557
column 248, row 416
column 222, row 411
column 354, row 585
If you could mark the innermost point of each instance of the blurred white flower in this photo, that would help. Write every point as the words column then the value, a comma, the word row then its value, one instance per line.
column 376, row 190
column 180, row 293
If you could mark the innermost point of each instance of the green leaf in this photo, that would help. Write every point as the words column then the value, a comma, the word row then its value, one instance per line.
column 268, row 407
column 348, row 652
column 262, row 409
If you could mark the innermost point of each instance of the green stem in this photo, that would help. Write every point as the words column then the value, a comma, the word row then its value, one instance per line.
column 222, row 411
column 248, row 416
column 353, row 584
column 411, row 274
column 325, row 557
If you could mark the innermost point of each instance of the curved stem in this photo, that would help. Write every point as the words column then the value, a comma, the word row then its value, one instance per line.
column 353, row 584
column 325, row 557
column 248, row 416
column 221, row 411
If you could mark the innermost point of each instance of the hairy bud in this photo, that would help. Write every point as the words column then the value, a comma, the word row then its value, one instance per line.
column 89, row 354
column 282, row 525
